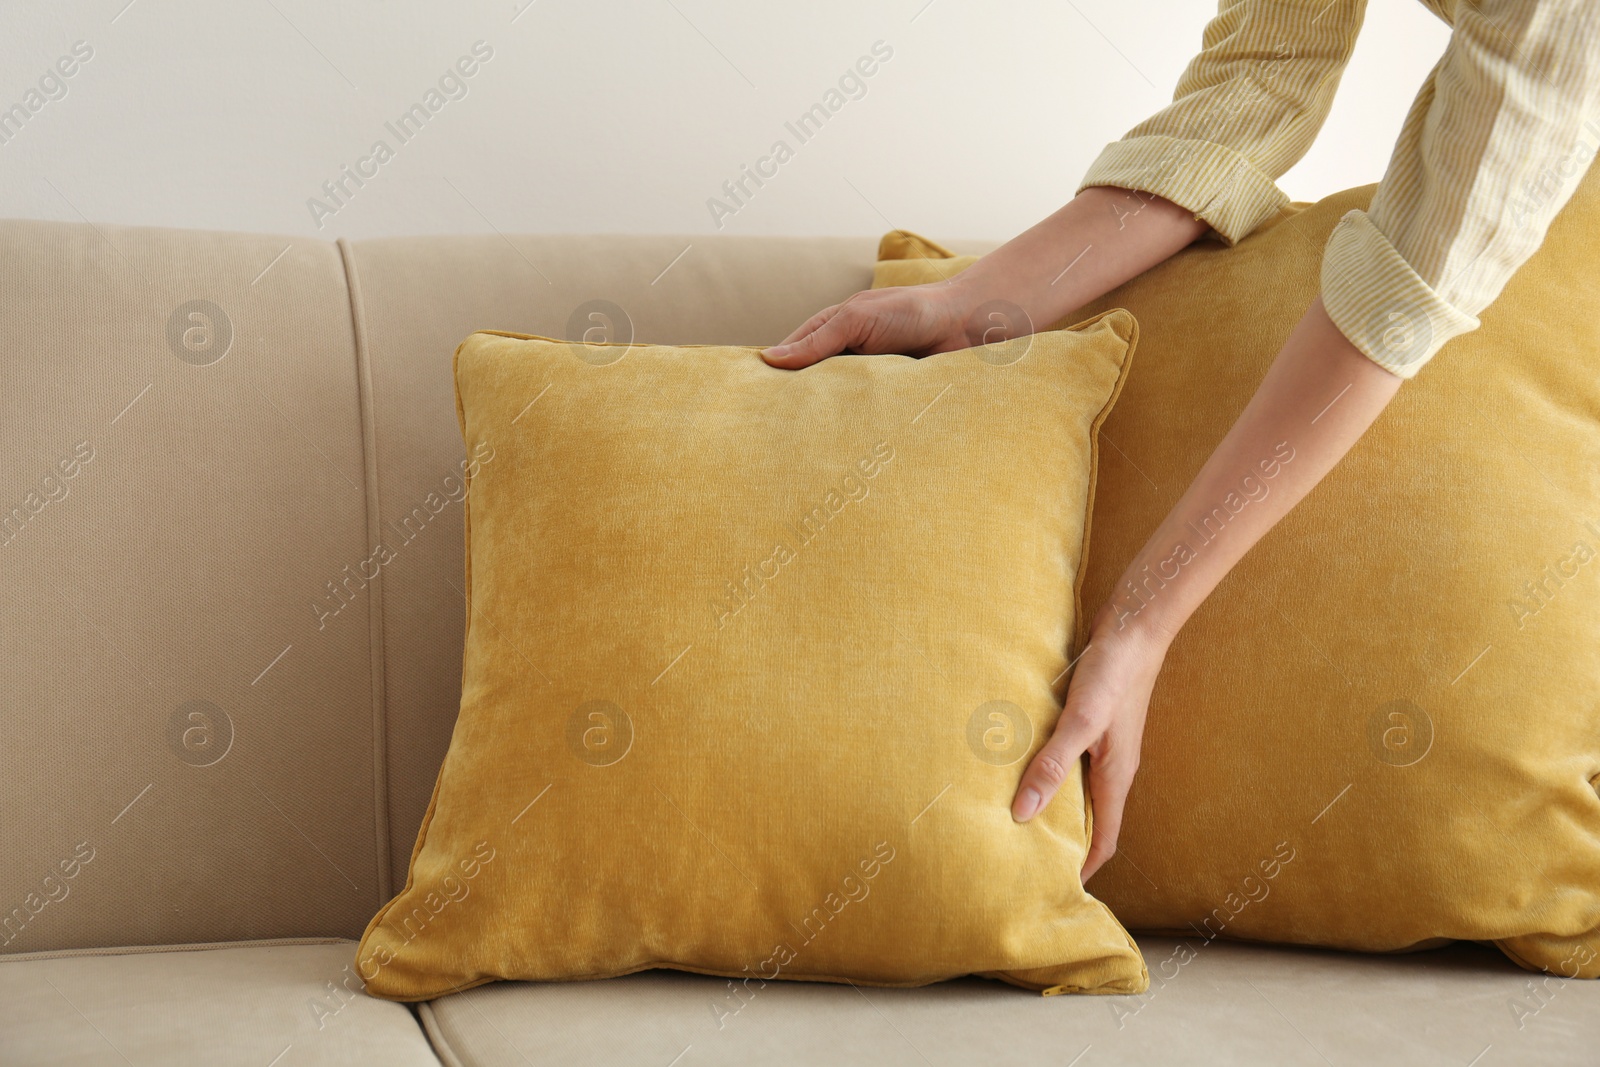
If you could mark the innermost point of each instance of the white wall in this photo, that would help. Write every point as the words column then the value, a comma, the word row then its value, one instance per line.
column 622, row 115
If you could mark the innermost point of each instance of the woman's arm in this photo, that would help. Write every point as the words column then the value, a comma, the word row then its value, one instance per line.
column 1494, row 145
column 1502, row 131
column 1316, row 401
column 1245, row 109
column 1100, row 239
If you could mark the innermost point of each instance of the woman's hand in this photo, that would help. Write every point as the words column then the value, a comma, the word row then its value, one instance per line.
column 1099, row 240
column 913, row 320
column 1318, row 398
column 1103, row 717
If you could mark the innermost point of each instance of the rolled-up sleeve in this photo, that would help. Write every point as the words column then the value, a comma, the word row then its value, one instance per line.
column 1245, row 110
column 1496, row 142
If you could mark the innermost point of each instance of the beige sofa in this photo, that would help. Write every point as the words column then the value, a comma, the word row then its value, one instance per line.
column 223, row 717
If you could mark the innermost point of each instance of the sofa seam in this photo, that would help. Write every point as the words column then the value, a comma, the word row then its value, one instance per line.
column 377, row 661
column 433, row 1030
column 433, row 798
column 141, row 950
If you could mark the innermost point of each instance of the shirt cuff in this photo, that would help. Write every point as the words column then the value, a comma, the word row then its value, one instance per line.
column 1214, row 182
column 1380, row 303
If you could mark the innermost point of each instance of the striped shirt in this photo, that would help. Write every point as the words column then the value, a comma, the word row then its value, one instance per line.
column 1494, row 144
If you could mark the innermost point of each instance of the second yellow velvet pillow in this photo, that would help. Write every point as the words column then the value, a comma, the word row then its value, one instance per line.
column 1382, row 730
column 754, row 661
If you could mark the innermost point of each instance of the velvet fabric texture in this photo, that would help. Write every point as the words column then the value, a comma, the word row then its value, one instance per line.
column 754, row 661
column 1382, row 730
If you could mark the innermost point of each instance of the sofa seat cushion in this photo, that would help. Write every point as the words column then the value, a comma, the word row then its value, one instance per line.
column 1215, row 1002
column 288, row 1003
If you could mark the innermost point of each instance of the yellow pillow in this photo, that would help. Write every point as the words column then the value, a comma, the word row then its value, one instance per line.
column 1383, row 728
column 755, row 659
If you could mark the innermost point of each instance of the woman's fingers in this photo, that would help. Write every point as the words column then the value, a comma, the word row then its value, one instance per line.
column 1103, row 717
column 1111, row 773
column 1052, row 765
column 1110, row 777
column 910, row 320
column 807, row 326
column 827, row 338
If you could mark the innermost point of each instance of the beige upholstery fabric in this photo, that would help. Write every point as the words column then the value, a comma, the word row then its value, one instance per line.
column 192, row 624
column 1211, row 1003
column 251, row 1005
column 179, row 564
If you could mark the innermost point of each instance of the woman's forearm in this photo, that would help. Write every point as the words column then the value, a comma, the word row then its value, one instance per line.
column 1100, row 239
column 1316, row 401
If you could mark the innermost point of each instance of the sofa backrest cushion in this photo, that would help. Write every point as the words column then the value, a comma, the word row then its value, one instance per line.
column 188, row 745
column 224, row 710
